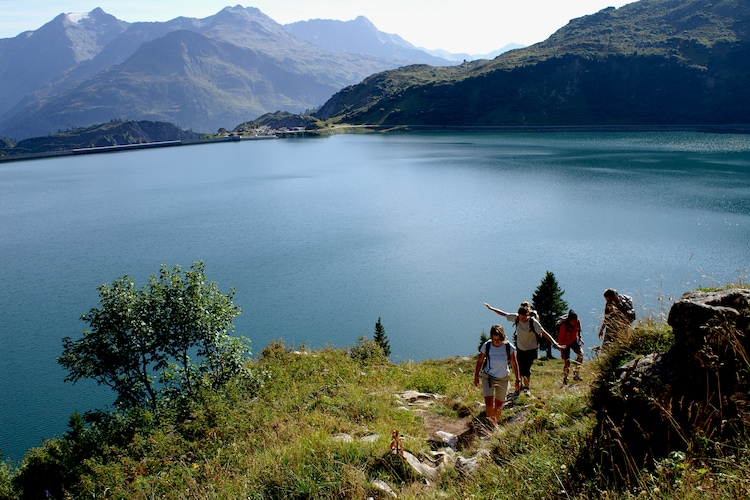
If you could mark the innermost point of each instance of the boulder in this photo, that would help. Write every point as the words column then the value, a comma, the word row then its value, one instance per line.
column 696, row 391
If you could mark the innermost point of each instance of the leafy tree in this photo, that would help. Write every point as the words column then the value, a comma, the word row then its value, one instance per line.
column 548, row 302
column 381, row 338
column 141, row 342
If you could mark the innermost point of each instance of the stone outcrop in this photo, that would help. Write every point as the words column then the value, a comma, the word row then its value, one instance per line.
column 695, row 394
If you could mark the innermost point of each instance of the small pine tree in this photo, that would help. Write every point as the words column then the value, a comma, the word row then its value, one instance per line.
column 548, row 302
column 482, row 339
column 381, row 338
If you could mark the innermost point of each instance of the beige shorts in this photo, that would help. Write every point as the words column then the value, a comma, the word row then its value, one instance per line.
column 494, row 387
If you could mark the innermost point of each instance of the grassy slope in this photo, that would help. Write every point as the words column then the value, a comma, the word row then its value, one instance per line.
column 280, row 441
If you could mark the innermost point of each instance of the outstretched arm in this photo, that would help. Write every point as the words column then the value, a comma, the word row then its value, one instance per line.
column 553, row 341
column 498, row 311
column 546, row 334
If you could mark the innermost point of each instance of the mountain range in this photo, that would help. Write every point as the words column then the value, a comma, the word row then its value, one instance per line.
column 648, row 63
column 201, row 74
column 362, row 37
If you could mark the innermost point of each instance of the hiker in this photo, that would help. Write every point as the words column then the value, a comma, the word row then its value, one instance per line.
column 618, row 314
column 569, row 336
column 527, row 329
column 496, row 358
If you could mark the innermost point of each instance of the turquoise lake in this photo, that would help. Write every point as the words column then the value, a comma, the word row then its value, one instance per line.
column 320, row 237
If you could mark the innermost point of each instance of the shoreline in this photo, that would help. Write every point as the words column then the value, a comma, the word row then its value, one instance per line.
column 336, row 129
column 737, row 128
column 129, row 147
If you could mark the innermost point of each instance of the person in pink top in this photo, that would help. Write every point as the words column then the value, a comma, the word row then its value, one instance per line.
column 569, row 337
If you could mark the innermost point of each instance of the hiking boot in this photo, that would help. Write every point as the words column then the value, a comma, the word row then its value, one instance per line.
column 576, row 376
column 527, row 392
column 565, row 381
column 512, row 395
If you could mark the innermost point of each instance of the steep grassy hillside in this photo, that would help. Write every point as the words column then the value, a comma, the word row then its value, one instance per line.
column 653, row 62
column 320, row 426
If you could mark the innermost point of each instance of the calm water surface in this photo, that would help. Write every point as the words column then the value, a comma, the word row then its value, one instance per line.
column 320, row 237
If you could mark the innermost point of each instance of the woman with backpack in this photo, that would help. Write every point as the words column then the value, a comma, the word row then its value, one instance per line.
column 527, row 330
column 496, row 358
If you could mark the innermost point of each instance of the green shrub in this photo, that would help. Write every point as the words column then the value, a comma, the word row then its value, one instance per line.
column 6, row 480
column 367, row 351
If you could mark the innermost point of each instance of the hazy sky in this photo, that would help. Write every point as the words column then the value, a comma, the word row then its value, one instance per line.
column 471, row 26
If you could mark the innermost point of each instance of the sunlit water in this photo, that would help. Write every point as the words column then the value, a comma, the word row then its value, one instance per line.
column 320, row 237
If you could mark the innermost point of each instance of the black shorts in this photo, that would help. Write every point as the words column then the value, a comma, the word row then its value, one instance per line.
column 525, row 360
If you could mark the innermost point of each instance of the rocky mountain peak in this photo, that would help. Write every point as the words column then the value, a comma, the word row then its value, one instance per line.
column 89, row 32
column 246, row 26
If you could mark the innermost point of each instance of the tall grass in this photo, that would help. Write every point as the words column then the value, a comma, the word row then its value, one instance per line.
column 320, row 428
